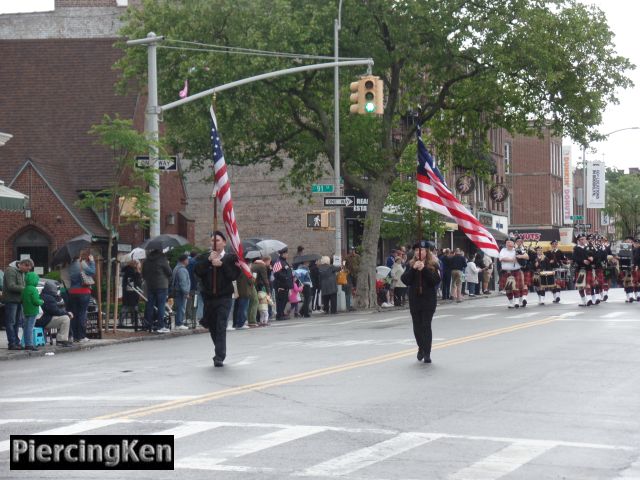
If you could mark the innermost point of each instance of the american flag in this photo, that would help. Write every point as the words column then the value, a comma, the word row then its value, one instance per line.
column 434, row 194
column 277, row 267
column 222, row 190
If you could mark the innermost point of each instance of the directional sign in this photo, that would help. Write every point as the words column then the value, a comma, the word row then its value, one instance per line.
column 322, row 188
column 586, row 226
column 577, row 217
column 166, row 164
column 339, row 201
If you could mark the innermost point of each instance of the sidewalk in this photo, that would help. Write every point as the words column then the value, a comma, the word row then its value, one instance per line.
column 129, row 336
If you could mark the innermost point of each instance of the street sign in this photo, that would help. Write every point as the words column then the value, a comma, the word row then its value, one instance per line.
column 586, row 226
column 339, row 201
column 322, row 188
column 577, row 217
column 165, row 164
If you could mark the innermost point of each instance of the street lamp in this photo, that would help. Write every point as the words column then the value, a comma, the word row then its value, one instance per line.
column 584, row 169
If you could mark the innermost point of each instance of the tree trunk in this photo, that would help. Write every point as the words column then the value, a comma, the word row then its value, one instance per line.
column 366, row 292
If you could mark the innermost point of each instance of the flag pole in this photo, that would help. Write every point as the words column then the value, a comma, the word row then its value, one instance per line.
column 215, row 206
column 420, row 241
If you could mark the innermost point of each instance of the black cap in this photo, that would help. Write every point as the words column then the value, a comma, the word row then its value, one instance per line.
column 283, row 250
column 554, row 241
column 580, row 235
column 220, row 234
column 424, row 244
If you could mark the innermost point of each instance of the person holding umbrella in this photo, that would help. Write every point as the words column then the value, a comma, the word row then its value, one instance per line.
column 156, row 273
column 422, row 276
column 216, row 271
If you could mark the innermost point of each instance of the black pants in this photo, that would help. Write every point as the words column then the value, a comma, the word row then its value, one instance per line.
column 215, row 316
column 306, row 302
column 446, row 285
column 398, row 296
column 282, row 297
column 422, row 329
column 330, row 303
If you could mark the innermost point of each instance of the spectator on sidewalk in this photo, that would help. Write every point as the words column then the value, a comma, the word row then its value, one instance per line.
column 81, row 277
column 283, row 282
column 181, row 288
column 156, row 273
column 195, row 305
column 487, row 271
column 12, row 299
column 446, row 259
column 131, row 279
column 31, row 302
column 244, row 286
column 54, row 314
column 328, row 285
column 398, row 287
column 303, row 274
column 458, row 265
column 471, row 276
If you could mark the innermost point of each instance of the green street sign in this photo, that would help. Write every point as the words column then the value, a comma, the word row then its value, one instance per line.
column 577, row 217
column 322, row 188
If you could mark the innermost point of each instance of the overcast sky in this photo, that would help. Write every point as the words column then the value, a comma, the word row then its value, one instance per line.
column 621, row 150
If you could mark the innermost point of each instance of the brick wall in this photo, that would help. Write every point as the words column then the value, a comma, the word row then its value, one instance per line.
column 48, row 216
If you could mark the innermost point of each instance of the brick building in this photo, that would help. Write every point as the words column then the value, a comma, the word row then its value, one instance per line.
column 56, row 86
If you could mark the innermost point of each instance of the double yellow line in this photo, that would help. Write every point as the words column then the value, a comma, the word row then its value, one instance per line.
column 207, row 397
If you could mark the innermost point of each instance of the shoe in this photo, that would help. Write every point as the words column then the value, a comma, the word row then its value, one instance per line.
column 163, row 330
column 557, row 300
column 15, row 347
column 31, row 348
column 64, row 344
column 605, row 298
column 511, row 306
column 471, row 295
column 542, row 303
column 427, row 359
column 486, row 292
column 458, row 301
column 597, row 301
column 516, row 305
column 182, row 327
column 420, row 355
column 82, row 340
column 217, row 363
column 589, row 303
column 244, row 327
column 253, row 325
column 524, row 302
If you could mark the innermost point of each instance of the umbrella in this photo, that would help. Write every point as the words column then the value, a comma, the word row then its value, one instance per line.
column 382, row 272
column 135, row 254
column 11, row 199
column 249, row 245
column 166, row 240
column 270, row 246
column 253, row 254
column 309, row 257
column 71, row 249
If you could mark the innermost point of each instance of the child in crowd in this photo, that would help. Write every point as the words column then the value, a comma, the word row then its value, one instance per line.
column 295, row 296
column 31, row 302
column 264, row 300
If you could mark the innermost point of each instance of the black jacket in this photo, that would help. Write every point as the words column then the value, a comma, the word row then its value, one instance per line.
column 458, row 262
column 225, row 275
column 283, row 278
column 156, row 271
column 130, row 276
column 53, row 305
column 580, row 255
column 427, row 300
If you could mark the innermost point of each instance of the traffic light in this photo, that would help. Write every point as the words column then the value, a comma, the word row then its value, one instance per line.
column 319, row 220
column 366, row 96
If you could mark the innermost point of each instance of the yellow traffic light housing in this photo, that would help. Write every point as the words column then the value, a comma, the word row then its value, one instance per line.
column 367, row 96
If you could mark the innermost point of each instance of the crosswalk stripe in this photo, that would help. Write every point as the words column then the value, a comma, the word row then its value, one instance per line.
column 206, row 460
column 502, row 462
column 189, row 428
column 72, row 429
column 346, row 464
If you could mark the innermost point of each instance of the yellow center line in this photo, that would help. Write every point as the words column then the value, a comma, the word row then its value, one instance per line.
column 174, row 404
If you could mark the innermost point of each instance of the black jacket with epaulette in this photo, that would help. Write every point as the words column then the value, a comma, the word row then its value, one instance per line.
column 224, row 275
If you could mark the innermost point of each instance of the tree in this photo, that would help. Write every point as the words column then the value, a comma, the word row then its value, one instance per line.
column 126, row 200
column 623, row 204
column 459, row 66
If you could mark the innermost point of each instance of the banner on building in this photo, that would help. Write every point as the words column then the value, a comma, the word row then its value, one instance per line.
column 595, row 184
column 567, row 187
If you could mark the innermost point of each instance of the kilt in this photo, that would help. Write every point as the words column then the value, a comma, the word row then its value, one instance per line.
column 589, row 278
column 528, row 278
column 601, row 278
column 517, row 274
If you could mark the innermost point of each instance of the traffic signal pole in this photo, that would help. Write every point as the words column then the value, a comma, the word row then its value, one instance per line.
column 336, row 134
column 153, row 111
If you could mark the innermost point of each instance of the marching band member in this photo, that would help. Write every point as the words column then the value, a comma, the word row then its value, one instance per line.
column 511, row 280
column 602, row 256
column 583, row 257
column 636, row 267
column 540, row 264
column 522, row 255
column 625, row 260
column 556, row 260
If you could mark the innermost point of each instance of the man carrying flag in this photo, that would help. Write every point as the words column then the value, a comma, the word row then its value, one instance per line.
column 217, row 269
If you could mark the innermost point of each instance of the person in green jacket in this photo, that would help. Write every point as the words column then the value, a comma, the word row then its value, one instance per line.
column 12, row 299
column 30, row 302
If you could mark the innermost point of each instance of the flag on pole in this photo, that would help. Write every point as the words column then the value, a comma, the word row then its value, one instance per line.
column 185, row 91
column 222, row 190
column 434, row 194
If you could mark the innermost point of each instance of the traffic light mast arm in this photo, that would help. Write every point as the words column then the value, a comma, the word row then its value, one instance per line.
column 264, row 76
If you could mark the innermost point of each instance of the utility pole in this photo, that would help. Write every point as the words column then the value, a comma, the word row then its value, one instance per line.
column 336, row 132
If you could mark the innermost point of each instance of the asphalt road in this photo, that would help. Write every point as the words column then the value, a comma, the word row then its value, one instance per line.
column 544, row 392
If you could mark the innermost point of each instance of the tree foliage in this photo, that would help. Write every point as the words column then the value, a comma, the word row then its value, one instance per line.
column 459, row 66
column 623, row 204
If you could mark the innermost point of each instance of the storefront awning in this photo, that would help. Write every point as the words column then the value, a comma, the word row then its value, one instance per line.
column 11, row 199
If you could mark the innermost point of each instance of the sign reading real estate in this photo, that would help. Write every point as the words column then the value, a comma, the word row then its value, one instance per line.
column 567, row 186
column 595, row 184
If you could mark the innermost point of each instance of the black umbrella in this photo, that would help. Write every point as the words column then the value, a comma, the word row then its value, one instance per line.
column 70, row 250
column 166, row 240
column 247, row 246
column 309, row 257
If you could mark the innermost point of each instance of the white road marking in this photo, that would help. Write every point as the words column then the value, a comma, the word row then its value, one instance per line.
column 524, row 315
column 207, row 460
column 188, row 428
column 72, row 429
column 247, row 360
column 346, row 464
column 570, row 314
column 476, row 317
column 392, row 319
column 613, row 314
column 89, row 398
column 443, row 315
column 502, row 462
